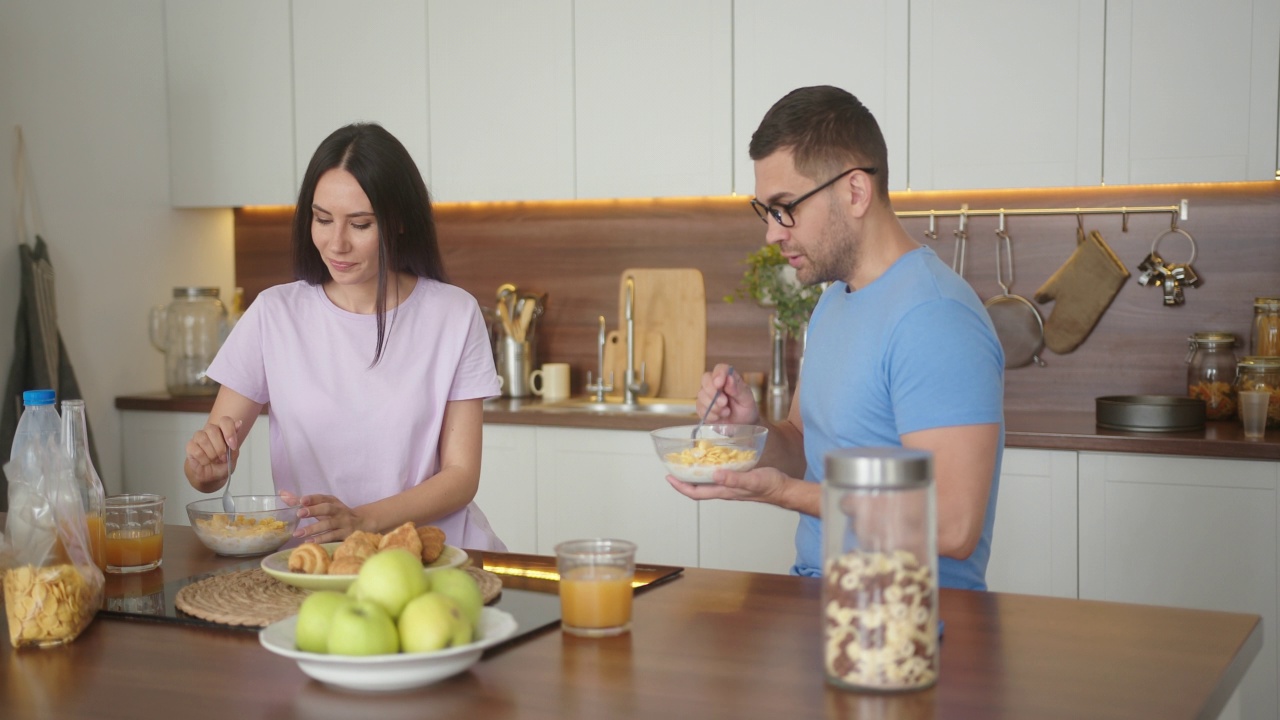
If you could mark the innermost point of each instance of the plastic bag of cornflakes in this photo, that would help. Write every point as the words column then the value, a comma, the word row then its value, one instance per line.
column 52, row 587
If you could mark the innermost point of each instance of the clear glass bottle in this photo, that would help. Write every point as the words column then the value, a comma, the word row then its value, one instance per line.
column 1211, row 373
column 880, row 569
column 189, row 331
column 75, row 441
column 1259, row 372
column 1264, row 338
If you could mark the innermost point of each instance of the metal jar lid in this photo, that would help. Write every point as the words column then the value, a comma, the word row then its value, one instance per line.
column 195, row 292
column 1212, row 338
column 879, row 467
column 1266, row 303
column 1259, row 362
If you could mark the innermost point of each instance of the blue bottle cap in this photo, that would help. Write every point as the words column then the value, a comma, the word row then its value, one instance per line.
column 37, row 397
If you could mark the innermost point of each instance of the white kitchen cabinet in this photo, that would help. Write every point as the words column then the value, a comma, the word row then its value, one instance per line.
column 653, row 86
column 355, row 63
column 230, row 93
column 1191, row 90
column 1186, row 532
column 501, row 78
column 746, row 536
column 154, row 448
column 508, row 485
column 1034, row 543
column 781, row 45
column 610, row 483
column 1005, row 94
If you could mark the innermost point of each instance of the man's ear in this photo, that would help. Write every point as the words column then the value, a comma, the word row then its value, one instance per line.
column 862, row 192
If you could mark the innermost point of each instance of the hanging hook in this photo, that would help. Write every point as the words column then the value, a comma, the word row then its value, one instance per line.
column 1079, row 226
column 1000, row 230
column 1173, row 221
column 1124, row 219
column 932, row 232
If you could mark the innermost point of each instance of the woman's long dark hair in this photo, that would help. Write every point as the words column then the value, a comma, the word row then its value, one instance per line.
column 406, row 228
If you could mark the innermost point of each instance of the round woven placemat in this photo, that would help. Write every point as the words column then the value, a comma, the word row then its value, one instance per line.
column 255, row 599
column 244, row 597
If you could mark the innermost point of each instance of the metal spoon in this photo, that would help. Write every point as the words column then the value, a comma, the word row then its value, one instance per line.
column 228, row 504
column 694, row 435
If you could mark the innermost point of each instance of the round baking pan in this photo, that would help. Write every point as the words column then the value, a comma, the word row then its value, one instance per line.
column 1150, row 413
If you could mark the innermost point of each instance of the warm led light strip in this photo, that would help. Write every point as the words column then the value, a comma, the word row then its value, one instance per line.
column 535, row 574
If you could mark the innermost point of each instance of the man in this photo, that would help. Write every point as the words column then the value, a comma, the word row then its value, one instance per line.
column 900, row 351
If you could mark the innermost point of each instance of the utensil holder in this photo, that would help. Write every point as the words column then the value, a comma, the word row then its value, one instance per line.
column 515, row 362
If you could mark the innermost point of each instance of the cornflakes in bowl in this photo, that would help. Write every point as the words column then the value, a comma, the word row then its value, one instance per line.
column 716, row 447
column 261, row 524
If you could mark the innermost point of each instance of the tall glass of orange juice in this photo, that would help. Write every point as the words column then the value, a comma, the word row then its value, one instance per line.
column 595, row 586
column 135, row 532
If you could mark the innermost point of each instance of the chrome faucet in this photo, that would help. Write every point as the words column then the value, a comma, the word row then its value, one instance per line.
column 630, row 385
column 598, row 387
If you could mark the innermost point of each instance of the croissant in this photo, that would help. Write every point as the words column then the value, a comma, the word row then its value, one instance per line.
column 432, row 539
column 358, row 544
column 349, row 565
column 405, row 536
column 309, row 558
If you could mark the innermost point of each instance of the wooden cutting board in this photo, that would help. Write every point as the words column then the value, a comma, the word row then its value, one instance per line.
column 650, row 345
column 672, row 302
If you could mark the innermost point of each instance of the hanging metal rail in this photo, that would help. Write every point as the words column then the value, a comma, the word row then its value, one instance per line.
column 1177, row 212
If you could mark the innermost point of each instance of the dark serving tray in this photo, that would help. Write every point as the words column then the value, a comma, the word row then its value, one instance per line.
column 530, row 593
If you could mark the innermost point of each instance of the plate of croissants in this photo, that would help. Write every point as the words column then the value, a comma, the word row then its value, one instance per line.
column 334, row 565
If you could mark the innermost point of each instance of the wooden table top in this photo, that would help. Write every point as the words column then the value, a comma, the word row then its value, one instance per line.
column 709, row 644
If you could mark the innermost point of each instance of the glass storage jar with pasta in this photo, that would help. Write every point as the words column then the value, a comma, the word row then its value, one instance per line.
column 1211, row 373
column 1258, row 372
column 1264, row 339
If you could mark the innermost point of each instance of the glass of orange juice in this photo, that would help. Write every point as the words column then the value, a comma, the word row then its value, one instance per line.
column 135, row 532
column 595, row 586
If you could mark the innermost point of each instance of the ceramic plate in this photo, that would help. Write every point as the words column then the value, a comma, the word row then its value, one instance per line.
column 398, row 671
column 277, row 566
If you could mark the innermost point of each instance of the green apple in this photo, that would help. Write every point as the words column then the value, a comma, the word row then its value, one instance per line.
column 363, row 628
column 459, row 585
column 432, row 622
column 316, row 616
column 391, row 578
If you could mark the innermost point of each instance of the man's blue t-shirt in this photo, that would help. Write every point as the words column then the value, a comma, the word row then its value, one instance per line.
column 913, row 350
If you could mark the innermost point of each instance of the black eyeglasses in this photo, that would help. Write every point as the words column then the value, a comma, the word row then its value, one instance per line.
column 783, row 213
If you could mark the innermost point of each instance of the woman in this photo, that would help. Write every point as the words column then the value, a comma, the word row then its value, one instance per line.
column 373, row 367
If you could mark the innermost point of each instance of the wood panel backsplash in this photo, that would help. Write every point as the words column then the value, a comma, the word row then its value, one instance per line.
column 576, row 252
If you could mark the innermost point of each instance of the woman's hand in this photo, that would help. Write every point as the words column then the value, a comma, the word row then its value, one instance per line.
column 735, row 404
column 334, row 520
column 206, row 464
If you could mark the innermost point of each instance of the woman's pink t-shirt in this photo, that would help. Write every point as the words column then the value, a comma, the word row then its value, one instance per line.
column 342, row 428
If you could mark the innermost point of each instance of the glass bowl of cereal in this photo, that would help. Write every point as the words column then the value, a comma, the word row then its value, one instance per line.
column 260, row 524
column 694, row 457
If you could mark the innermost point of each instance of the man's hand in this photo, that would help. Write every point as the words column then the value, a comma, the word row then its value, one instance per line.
column 735, row 404
column 763, row 484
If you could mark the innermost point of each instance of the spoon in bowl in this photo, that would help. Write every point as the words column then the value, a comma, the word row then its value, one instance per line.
column 696, row 428
column 228, row 504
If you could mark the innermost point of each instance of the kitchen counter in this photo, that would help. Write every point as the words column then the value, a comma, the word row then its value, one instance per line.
column 709, row 644
column 1045, row 430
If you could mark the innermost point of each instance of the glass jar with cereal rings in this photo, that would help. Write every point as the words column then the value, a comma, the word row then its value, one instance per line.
column 1258, row 372
column 880, row 570
column 1211, row 373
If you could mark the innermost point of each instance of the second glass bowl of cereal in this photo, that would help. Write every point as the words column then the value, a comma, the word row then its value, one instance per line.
column 715, row 447
column 261, row 524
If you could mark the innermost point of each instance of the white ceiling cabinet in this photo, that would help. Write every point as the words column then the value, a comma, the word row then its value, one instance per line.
column 227, row 65
column 1005, row 94
column 653, row 106
column 353, row 65
column 501, row 78
column 1191, row 90
column 781, row 45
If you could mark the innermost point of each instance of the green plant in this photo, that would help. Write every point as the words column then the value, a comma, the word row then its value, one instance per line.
column 766, row 282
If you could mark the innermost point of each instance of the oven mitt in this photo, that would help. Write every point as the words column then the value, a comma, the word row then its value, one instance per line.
column 1081, row 290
